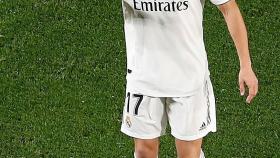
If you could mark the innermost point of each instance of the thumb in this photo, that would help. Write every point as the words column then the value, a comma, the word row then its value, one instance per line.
column 241, row 88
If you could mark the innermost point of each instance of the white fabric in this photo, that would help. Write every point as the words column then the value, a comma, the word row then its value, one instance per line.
column 190, row 118
column 218, row 2
column 202, row 154
column 164, row 45
column 136, row 157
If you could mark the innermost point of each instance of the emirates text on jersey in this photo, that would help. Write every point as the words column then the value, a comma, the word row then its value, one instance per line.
column 160, row 6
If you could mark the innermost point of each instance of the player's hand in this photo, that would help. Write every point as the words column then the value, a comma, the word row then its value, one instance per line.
column 248, row 78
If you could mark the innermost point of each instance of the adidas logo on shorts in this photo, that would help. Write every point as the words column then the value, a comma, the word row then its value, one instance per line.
column 203, row 126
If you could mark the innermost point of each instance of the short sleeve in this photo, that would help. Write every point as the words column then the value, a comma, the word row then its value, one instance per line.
column 218, row 2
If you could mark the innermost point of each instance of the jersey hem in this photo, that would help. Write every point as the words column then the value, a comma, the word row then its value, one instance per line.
column 153, row 94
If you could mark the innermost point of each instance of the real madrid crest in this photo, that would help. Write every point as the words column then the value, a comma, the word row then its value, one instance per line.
column 128, row 121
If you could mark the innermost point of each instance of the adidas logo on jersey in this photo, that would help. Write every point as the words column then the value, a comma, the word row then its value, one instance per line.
column 161, row 6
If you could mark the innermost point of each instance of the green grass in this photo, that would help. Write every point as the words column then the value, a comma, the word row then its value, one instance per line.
column 62, row 81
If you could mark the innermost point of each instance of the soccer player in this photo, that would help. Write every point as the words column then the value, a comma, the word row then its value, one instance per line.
column 167, row 73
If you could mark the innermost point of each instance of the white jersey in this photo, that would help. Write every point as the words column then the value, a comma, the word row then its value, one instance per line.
column 166, row 55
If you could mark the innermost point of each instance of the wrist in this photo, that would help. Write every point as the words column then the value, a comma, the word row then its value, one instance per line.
column 245, row 65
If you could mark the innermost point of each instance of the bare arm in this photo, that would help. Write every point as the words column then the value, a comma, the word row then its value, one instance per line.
column 238, row 33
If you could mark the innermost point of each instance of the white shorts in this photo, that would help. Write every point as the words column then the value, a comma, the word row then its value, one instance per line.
column 190, row 117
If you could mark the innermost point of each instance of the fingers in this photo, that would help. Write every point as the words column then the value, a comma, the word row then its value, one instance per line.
column 249, row 98
column 253, row 90
column 241, row 88
column 248, row 78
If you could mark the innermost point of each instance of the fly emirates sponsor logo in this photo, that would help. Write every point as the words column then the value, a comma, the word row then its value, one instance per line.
column 170, row 6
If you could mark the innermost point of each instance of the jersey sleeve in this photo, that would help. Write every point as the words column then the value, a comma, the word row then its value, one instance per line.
column 218, row 2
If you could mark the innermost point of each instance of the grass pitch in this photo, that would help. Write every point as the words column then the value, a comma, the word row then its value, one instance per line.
column 62, row 81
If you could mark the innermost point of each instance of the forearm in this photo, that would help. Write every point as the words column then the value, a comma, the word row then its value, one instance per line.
column 238, row 33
